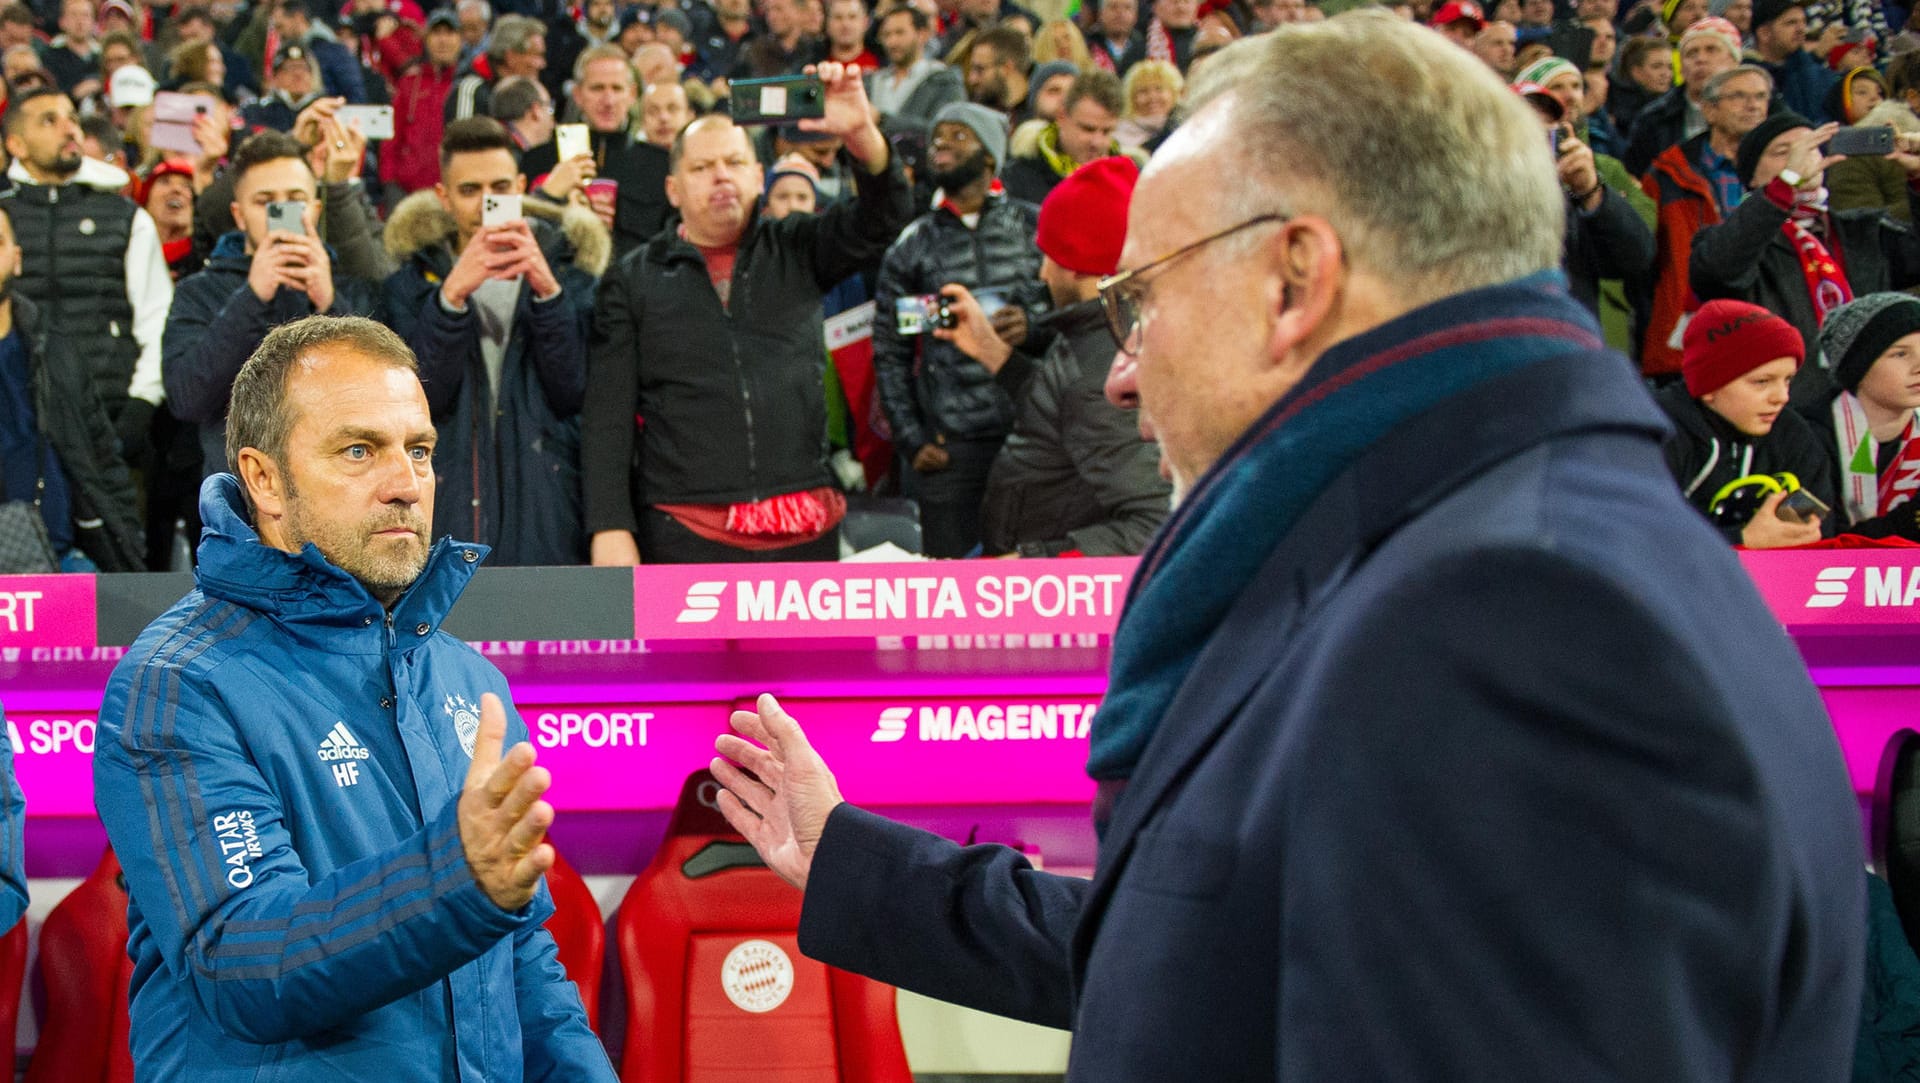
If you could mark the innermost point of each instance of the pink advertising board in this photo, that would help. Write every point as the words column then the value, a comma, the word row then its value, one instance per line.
column 909, row 750
column 1850, row 590
column 816, row 601
column 46, row 611
column 633, row 754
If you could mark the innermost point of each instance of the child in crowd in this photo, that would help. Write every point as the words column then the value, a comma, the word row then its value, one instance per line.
column 1735, row 440
column 1873, row 347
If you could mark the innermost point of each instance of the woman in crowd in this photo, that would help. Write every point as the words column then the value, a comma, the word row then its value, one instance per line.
column 1151, row 89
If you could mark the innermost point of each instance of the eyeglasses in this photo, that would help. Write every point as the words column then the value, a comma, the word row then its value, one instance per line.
column 1123, row 296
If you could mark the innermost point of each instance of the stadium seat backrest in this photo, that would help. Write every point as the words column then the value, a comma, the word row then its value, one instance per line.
column 579, row 934
column 83, row 973
column 717, row 990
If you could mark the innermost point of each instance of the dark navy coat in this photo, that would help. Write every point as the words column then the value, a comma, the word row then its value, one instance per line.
column 1499, row 770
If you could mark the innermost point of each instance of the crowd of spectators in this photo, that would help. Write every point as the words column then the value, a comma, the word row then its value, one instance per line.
column 696, row 340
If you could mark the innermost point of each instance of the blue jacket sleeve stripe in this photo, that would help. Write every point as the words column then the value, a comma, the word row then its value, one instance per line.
column 419, row 886
column 170, row 780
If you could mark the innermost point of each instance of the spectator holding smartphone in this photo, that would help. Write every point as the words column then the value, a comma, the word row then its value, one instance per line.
column 498, row 314
column 259, row 276
column 1731, row 422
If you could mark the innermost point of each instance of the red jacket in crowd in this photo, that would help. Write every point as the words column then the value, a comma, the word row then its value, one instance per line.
column 1686, row 207
column 419, row 96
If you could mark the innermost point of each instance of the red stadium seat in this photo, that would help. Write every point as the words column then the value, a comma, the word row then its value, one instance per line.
column 13, row 971
column 83, row 973
column 579, row 933
column 717, row 990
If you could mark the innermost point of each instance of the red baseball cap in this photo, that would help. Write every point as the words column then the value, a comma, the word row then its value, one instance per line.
column 1459, row 11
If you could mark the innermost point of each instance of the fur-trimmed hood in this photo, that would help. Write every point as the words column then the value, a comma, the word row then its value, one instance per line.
column 420, row 222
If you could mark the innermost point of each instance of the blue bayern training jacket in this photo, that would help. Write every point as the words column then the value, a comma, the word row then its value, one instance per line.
column 278, row 767
column 13, row 820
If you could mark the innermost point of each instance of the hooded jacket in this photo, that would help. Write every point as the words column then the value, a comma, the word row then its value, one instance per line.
column 1705, row 453
column 508, row 467
column 278, row 768
column 217, row 323
column 928, row 388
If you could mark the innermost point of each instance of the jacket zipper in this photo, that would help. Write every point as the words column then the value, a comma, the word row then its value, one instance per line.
column 740, row 370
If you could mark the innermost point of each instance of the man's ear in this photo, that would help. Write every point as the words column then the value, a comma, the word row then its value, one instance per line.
column 266, row 486
column 1307, row 265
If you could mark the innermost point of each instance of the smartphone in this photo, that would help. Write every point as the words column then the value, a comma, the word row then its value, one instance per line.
column 287, row 217
column 571, row 141
column 372, row 121
column 173, row 117
column 1800, row 506
column 920, row 314
column 1553, row 140
column 499, row 210
column 778, row 100
column 1873, row 142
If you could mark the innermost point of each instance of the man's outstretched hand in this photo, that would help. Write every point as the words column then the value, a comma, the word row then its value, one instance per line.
column 503, row 821
column 782, row 806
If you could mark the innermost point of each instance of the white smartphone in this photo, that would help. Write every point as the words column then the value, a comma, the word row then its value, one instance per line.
column 288, row 216
column 499, row 210
column 372, row 121
column 571, row 141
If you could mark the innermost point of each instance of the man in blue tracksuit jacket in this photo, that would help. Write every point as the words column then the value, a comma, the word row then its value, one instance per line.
column 319, row 891
column 13, row 822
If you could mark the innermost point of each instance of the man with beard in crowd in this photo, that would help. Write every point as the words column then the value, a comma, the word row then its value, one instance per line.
column 948, row 415
column 912, row 87
column 997, row 73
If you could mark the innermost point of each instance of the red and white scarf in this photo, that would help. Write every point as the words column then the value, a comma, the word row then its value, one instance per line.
column 1869, row 491
column 1159, row 42
column 1826, row 279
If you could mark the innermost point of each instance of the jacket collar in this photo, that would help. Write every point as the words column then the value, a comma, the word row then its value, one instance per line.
column 93, row 173
column 305, row 588
column 1405, row 474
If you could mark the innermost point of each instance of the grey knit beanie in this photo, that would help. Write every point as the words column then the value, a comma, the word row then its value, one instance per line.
column 989, row 126
column 1858, row 332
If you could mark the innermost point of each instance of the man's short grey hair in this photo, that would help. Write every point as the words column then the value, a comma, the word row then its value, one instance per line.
column 511, row 35
column 1710, row 90
column 513, row 96
column 485, row 9
column 257, row 413
column 1435, row 175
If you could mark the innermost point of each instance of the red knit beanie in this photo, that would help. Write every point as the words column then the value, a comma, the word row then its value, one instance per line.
column 1725, row 340
column 1083, row 223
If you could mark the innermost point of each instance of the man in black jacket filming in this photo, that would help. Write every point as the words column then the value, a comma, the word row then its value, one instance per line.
column 704, row 431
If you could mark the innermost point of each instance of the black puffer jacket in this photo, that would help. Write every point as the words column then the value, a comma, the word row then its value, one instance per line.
column 1074, row 472
column 106, row 509
column 689, row 402
column 928, row 388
